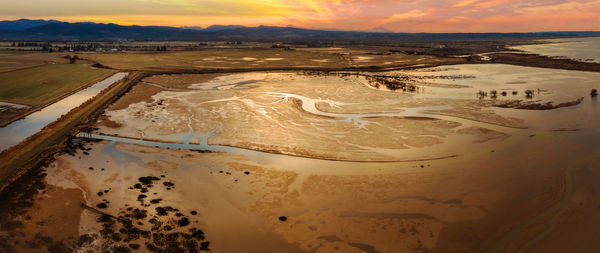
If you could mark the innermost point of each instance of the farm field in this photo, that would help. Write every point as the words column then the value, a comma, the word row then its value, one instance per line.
column 259, row 58
column 10, row 61
column 28, row 89
column 38, row 86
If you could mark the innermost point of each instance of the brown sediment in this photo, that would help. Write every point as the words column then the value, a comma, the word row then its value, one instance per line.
column 535, row 105
column 359, row 208
column 485, row 117
column 107, row 122
column 256, row 128
column 483, row 134
column 453, row 206
column 141, row 92
column 17, row 159
column 312, row 155
column 24, row 212
column 297, row 104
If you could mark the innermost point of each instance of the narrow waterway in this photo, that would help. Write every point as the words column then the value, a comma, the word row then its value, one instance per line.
column 33, row 123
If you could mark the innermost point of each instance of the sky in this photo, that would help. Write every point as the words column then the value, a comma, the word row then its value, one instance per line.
column 361, row 15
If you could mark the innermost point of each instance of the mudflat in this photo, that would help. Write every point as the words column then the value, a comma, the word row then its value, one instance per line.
column 324, row 161
column 330, row 149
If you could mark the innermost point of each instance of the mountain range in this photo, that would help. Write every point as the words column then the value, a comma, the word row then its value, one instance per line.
column 25, row 29
column 23, row 24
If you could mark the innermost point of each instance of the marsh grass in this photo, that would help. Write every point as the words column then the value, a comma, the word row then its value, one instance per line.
column 40, row 85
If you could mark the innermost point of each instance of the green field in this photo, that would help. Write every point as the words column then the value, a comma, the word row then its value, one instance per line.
column 40, row 85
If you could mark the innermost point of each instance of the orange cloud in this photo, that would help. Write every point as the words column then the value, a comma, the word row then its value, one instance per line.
column 392, row 15
column 465, row 3
column 493, row 3
column 399, row 17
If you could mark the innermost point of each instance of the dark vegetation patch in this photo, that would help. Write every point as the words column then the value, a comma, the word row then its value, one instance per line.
column 165, row 235
column 15, row 199
column 149, row 180
column 167, row 228
column 19, row 196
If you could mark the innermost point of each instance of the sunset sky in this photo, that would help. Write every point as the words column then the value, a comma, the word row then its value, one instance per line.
column 364, row 15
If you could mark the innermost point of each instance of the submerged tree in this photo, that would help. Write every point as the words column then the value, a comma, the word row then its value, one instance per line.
column 481, row 94
column 529, row 93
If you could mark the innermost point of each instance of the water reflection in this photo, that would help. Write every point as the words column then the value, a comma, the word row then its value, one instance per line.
column 581, row 49
column 21, row 129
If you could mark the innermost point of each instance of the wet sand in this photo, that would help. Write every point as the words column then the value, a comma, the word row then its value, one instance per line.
column 473, row 202
column 298, row 115
column 521, row 180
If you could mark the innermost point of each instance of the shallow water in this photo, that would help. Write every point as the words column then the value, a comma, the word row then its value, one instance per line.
column 23, row 128
column 580, row 49
column 485, row 184
column 555, row 86
column 549, row 84
column 358, row 119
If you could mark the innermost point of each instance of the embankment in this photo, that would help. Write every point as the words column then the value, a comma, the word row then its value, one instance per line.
column 41, row 146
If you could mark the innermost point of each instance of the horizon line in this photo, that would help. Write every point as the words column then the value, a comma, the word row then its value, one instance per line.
column 295, row 27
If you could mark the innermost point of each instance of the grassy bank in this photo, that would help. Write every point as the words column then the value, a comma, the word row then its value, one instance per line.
column 41, row 85
column 45, row 142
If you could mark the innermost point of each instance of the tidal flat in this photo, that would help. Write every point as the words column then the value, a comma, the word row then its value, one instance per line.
column 325, row 162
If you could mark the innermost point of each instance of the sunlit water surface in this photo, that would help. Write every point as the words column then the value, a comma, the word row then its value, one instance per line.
column 580, row 49
column 33, row 123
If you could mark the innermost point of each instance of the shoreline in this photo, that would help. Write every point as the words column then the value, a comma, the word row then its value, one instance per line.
column 38, row 108
column 19, row 159
column 268, row 151
column 83, row 123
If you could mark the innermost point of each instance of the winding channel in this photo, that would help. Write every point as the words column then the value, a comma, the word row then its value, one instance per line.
column 359, row 120
column 309, row 105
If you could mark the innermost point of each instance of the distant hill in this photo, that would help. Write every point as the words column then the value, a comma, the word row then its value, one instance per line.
column 95, row 31
column 214, row 28
column 24, row 24
column 55, row 30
